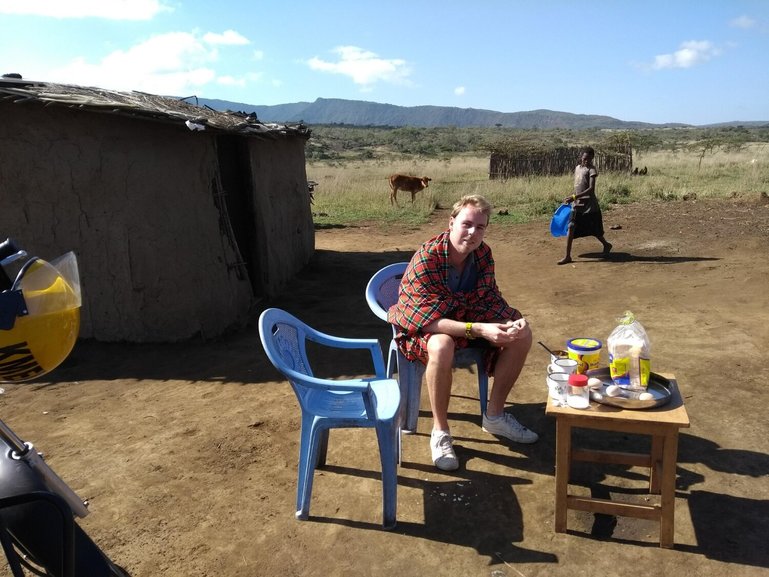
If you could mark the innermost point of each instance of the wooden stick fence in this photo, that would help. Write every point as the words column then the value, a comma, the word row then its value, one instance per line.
column 556, row 161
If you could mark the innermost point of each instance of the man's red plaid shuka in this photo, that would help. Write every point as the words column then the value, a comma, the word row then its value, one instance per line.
column 425, row 297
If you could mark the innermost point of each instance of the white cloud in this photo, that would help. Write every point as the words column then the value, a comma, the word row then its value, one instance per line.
column 177, row 63
column 459, row 90
column 108, row 9
column 743, row 22
column 690, row 54
column 231, row 81
column 228, row 37
column 258, row 55
column 363, row 67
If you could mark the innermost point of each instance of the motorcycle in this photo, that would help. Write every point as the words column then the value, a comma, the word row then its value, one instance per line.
column 39, row 322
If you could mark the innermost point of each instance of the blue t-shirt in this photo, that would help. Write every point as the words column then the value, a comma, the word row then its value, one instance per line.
column 466, row 281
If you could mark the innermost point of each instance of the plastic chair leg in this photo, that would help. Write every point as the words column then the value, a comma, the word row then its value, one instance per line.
column 392, row 358
column 322, row 448
column 388, row 439
column 308, row 456
column 400, row 447
column 470, row 357
column 483, row 387
column 410, row 374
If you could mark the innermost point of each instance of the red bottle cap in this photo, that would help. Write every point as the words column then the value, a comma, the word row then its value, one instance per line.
column 578, row 380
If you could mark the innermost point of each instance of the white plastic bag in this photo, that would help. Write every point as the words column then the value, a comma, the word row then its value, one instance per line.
column 629, row 353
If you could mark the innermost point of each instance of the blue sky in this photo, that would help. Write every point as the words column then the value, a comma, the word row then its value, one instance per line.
column 692, row 61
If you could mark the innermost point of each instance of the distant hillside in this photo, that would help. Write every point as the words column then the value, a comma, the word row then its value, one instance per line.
column 362, row 113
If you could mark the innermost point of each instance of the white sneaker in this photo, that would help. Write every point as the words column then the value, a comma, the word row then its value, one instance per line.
column 442, row 451
column 507, row 426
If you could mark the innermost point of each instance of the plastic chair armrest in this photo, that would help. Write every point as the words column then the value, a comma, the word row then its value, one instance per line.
column 385, row 398
column 351, row 385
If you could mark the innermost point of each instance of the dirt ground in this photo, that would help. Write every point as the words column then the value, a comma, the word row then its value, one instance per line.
column 187, row 452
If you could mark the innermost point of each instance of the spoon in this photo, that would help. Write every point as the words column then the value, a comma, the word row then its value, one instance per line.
column 541, row 344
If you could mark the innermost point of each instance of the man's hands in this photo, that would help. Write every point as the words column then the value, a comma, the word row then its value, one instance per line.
column 501, row 333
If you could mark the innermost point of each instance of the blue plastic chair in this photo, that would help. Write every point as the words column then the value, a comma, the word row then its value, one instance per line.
column 381, row 294
column 327, row 403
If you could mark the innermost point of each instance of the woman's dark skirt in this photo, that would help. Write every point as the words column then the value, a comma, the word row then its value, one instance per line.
column 590, row 224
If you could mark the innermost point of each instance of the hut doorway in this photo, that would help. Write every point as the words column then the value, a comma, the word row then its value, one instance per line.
column 236, row 206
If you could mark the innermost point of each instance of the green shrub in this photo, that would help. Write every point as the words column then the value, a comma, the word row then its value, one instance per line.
column 615, row 194
column 659, row 193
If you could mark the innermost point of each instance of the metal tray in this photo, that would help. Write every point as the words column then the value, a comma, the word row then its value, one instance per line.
column 659, row 387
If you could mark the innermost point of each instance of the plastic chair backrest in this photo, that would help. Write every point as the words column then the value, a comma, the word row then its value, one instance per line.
column 382, row 288
column 285, row 345
column 284, row 338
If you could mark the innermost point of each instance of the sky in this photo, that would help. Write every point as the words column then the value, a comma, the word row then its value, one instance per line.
column 691, row 61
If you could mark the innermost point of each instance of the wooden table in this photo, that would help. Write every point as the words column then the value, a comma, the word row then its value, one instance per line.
column 661, row 423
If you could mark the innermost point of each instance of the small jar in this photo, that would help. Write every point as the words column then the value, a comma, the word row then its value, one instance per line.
column 578, row 393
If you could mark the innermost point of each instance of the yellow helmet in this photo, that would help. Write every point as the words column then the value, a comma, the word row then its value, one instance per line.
column 39, row 317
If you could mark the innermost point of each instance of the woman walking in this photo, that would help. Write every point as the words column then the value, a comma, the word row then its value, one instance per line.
column 586, row 218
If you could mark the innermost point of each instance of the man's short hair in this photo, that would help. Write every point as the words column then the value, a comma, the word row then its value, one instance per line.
column 475, row 200
column 589, row 151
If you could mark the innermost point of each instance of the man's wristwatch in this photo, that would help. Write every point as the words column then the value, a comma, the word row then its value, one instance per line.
column 468, row 331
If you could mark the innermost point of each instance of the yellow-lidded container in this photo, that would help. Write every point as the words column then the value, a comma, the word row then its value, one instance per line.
column 586, row 351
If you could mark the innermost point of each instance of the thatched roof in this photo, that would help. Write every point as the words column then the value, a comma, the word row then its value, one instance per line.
column 143, row 106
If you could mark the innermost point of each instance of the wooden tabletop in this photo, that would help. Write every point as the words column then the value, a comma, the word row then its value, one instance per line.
column 671, row 413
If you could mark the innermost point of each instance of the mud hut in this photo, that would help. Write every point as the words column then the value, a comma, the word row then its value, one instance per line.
column 182, row 217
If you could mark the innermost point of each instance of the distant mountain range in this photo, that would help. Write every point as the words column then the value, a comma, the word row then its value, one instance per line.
column 362, row 113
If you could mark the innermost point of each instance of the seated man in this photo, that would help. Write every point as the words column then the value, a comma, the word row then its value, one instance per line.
column 449, row 299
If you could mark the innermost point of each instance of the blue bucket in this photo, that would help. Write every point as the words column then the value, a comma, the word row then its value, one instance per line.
column 559, row 225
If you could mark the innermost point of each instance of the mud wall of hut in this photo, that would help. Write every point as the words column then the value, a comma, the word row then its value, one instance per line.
column 135, row 200
column 284, row 238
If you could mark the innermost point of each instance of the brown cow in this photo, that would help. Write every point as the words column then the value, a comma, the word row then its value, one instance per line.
column 412, row 184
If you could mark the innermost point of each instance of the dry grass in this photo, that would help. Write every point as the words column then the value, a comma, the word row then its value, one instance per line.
column 358, row 190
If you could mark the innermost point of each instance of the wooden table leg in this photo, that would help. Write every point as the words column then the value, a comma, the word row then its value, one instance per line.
column 657, row 451
column 668, row 488
column 562, row 471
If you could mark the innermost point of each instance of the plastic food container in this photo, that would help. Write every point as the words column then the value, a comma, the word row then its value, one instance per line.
column 586, row 351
